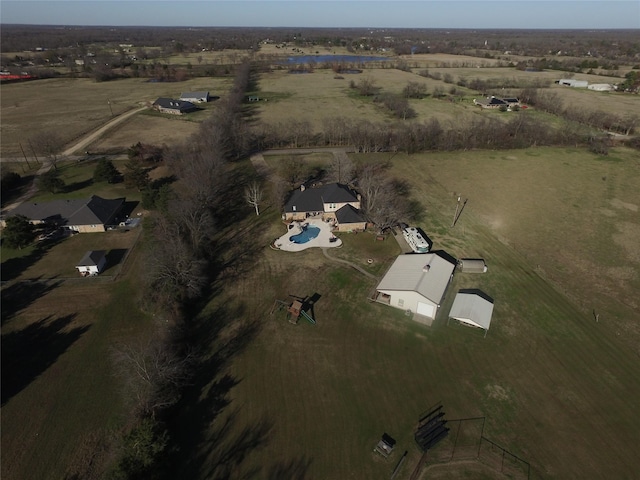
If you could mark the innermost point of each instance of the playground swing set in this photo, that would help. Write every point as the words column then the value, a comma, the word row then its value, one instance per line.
column 300, row 307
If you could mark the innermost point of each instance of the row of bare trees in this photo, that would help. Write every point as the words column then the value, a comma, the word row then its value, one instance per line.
column 178, row 258
column 521, row 131
column 551, row 102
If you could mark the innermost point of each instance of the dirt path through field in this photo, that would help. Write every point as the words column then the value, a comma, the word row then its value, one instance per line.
column 79, row 145
column 92, row 137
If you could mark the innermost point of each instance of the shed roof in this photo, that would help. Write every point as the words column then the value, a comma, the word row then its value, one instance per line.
column 91, row 258
column 473, row 307
column 194, row 95
column 427, row 274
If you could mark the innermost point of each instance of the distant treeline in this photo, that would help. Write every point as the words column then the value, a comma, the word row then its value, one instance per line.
column 602, row 47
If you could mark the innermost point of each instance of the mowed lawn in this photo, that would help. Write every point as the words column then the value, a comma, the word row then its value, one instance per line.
column 557, row 388
column 62, row 403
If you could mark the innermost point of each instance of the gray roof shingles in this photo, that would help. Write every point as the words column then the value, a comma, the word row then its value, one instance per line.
column 313, row 199
column 92, row 258
column 86, row 211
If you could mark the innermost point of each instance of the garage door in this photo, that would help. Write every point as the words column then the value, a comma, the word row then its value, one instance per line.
column 426, row 310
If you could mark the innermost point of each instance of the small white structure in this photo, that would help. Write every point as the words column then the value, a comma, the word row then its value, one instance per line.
column 571, row 82
column 195, row 97
column 474, row 308
column 601, row 87
column 92, row 263
column 416, row 284
column 415, row 240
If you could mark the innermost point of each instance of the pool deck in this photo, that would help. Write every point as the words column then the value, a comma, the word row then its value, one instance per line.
column 321, row 241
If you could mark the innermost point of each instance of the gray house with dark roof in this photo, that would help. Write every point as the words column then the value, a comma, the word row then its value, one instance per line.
column 174, row 107
column 83, row 215
column 335, row 203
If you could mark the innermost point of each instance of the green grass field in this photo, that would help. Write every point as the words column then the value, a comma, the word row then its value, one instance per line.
column 68, row 407
column 555, row 386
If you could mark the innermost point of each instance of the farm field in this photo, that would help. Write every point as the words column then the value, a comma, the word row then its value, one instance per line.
column 292, row 97
column 84, row 102
column 556, row 387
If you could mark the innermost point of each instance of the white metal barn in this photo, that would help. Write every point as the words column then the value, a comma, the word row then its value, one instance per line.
column 417, row 283
column 473, row 307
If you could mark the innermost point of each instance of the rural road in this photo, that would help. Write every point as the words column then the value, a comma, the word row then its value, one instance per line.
column 92, row 137
column 79, row 145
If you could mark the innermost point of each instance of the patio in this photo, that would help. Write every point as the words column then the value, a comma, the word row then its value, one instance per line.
column 323, row 240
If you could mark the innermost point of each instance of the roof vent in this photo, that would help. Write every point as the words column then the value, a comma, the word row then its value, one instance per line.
column 426, row 268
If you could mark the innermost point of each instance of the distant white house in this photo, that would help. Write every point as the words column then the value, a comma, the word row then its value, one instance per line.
column 92, row 263
column 571, row 82
column 601, row 87
column 195, row 97
column 417, row 284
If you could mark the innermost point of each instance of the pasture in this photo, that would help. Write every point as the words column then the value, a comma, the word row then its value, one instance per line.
column 83, row 105
column 556, row 387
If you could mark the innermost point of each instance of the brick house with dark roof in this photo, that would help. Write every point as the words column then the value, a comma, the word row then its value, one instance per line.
column 335, row 203
column 174, row 107
column 93, row 214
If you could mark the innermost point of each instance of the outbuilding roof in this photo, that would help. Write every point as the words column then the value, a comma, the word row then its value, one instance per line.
column 91, row 258
column 427, row 274
column 473, row 307
column 194, row 95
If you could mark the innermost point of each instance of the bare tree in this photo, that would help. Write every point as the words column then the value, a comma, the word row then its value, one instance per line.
column 253, row 194
column 174, row 272
column 49, row 144
column 153, row 372
column 341, row 169
column 383, row 203
column 415, row 90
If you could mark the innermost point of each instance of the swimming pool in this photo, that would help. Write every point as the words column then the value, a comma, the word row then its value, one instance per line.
column 309, row 232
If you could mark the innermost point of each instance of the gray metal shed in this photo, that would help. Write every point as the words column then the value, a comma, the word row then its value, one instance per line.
column 472, row 265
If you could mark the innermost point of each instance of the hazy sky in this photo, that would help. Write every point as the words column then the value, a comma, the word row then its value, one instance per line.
column 600, row 14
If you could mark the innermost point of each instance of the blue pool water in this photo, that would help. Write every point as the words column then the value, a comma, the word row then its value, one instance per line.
column 308, row 233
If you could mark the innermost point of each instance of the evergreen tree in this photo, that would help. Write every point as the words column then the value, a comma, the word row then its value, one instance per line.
column 18, row 232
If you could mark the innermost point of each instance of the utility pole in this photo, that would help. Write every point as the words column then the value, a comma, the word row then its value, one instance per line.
column 110, row 108
column 24, row 155
column 33, row 151
column 455, row 215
